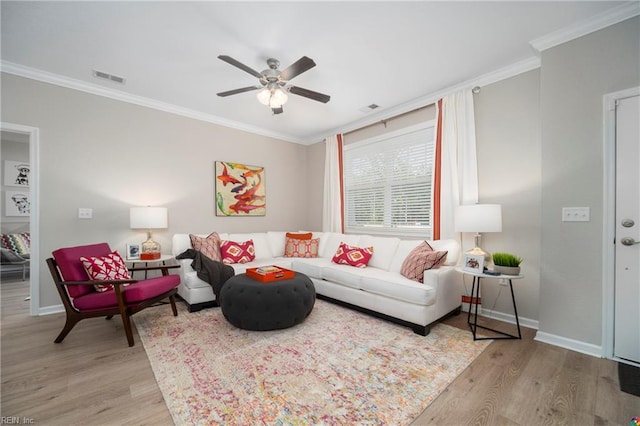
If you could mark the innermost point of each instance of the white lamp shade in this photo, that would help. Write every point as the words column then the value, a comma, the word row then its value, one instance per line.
column 479, row 218
column 148, row 217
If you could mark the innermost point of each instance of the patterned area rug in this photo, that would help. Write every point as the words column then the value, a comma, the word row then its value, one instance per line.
column 338, row 367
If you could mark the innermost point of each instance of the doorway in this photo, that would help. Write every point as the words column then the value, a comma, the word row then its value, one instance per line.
column 32, row 134
column 621, row 331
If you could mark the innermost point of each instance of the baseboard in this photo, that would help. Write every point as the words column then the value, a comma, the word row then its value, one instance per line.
column 574, row 345
column 48, row 310
column 500, row 316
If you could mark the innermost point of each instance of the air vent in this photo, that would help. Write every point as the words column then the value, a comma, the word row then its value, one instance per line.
column 369, row 108
column 107, row 76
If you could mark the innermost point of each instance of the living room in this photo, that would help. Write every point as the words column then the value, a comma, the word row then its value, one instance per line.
column 540, row 148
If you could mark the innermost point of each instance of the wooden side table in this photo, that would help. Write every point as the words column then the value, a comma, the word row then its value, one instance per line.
column 475, row 287
column 163, row 260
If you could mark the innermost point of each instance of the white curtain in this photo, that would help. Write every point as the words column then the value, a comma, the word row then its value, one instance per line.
column 332, row 202
column 459, row 184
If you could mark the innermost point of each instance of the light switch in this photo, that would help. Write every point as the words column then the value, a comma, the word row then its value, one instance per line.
column 576, row 214
column 85, row 213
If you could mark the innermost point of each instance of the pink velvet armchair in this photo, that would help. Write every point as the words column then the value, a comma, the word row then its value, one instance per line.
column 88, row 298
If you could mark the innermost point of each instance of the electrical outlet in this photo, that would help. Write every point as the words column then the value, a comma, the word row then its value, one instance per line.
column 85, row 213
column 503, row 281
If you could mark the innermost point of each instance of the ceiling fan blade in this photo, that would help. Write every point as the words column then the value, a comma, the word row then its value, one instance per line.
column 243, row 67
column 309, row 94
column 301, row 65
column 236, row 91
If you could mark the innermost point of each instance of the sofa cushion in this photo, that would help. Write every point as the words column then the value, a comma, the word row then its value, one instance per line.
column 343, row 274
column 276, row 241
column 237, row 252
column 352, row 255
column 404, row 248
column 299, row 235
column 311, row 267
column 108, row 267
column 421, row 258
column 451, row 246
column 383, row 250
column 395, row 286
column 330, row 241
column 260, row 243
column 209, row 246
column 301, row 247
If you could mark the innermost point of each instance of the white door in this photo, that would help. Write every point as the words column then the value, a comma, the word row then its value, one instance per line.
column 627, row 238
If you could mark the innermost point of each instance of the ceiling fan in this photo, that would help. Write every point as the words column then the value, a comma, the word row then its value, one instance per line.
column 275, row 83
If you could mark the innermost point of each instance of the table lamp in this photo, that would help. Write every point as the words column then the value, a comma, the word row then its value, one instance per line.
column 479, row 218
column 148, row 218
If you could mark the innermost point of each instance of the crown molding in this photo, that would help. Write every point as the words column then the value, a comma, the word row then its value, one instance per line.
column 483, row 80
column 94, row 89
column 598, row 22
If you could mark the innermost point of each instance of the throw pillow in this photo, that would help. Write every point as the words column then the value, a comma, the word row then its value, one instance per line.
column 301, row 248
column 233, row 252
column 109, row 267
column 299, row 235
column 421, row 259
column 18, row 243
column 354, row 256
column 209, row 246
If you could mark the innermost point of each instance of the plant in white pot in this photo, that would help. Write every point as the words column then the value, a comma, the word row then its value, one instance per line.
column 506, row 263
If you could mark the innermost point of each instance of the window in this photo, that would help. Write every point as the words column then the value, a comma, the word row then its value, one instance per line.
column 388, row 183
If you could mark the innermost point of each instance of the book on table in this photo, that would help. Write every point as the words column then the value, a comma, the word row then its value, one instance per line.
column 269, row 273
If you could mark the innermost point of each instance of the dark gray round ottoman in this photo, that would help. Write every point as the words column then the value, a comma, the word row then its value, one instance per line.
column 254, row 305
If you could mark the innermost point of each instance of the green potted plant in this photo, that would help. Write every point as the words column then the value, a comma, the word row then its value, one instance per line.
column 506, row 263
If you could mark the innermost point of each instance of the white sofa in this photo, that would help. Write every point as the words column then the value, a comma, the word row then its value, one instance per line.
column 379, row 288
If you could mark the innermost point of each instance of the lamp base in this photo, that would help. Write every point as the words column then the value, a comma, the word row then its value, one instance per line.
column 149, row 250
column 150, row 256
column 477, row 251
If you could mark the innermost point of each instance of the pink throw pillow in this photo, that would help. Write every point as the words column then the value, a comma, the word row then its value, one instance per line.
column 209, row 246
column 109, row 267
column 301, row 248
column 233, row 252
column 421, row 259
column 354, row 256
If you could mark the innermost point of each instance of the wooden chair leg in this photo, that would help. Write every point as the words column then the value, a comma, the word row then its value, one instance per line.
column 108, row 317
column 172, row 299
column 72, row 320
column 126, row 322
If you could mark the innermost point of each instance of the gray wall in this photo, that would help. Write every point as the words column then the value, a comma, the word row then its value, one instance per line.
column 109, row 155
column 574, row 78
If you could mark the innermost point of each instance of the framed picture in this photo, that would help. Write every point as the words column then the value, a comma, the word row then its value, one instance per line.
column 16, row 173
column 240, row 190
column 133, row 251
column 473, row 263
column 17, row 203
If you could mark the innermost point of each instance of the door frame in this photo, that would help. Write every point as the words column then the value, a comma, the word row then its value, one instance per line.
column 34, row 220
column 609, row 219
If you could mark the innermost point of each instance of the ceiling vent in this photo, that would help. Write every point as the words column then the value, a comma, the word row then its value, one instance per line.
column 369, row 108
column 107, row 76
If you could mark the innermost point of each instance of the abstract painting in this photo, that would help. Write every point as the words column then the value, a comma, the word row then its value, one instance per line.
column 240, row 190
column 17, row 203
column 16, row 173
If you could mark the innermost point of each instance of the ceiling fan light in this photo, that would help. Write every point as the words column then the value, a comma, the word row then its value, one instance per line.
column 278, row 98
column 264, row 96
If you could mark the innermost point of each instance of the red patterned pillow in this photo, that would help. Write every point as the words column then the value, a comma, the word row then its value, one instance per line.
column 301, row 248
column 420, row 259
column 209, row 246
column 354, row 256
column 109, row 267
column 233, row 252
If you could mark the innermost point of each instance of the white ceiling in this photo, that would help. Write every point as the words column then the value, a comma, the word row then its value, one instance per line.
column 394, row 54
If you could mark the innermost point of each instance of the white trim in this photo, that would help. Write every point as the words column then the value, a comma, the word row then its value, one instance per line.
column 511, row 319
column 609, row 216
column 34, row 219
column 574, row 345
column 94, row 89
column 483, row 80
column 49, row 310
column 598, row 22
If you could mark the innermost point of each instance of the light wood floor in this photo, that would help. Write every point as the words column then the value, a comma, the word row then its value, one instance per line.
column 94, row 378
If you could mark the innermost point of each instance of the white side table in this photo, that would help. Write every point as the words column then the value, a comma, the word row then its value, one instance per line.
column 145, row 262
column 475, row 287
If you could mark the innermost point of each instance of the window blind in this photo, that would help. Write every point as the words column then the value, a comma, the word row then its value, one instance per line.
column 388, row 183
